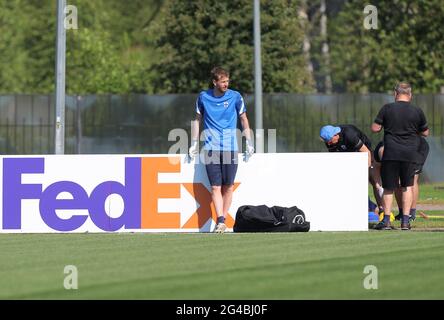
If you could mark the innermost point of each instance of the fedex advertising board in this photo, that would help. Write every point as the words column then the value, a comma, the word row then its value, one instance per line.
column 169, row 193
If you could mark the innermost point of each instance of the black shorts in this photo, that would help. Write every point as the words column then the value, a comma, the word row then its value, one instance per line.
column 395, row 173
column 376, row 152
column 221, row 167
column 418, row 168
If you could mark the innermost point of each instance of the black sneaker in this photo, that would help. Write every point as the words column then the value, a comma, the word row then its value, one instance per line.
column 412, row 217
column 383, row 226
column 405, row 226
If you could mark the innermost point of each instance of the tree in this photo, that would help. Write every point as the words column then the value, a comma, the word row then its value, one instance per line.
column 325, row 48
column 109, row 53
column 93, row 65
column 306, row 47
column 408, row 45
column 196, row 35
column 316, row 15
column 12, row 69
column 24, row 61
column 96, row 52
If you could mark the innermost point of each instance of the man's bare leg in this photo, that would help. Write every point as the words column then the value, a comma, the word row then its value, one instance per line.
column 227, row 196
column 387, row 201
column 407, row 197
column 375, row 181
column 216, row 196
column 398, row 196
column 415, row 197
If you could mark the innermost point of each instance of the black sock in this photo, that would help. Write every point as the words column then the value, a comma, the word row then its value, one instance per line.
column 386, row 219
column 221, row 219
column 400, row 211
column 413, row 213
column 405, row 218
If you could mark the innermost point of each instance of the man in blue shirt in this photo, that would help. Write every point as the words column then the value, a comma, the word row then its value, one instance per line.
column 219, row 109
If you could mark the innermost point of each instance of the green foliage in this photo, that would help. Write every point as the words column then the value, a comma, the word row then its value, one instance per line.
column 93, row 64
column 155, row 46
column 26, row 60
column 195, row 36
column 109, row 52
column 408, row 45
column 12, row 63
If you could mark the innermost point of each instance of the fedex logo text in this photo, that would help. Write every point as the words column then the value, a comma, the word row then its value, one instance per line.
column 140, row 193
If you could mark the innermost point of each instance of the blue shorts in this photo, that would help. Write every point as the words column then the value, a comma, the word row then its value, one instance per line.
column 221, row 167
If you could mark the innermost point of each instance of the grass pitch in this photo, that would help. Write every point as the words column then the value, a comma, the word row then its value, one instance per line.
column 315, row 265
column 431, row 193
column 428, row 194
column 434, row 221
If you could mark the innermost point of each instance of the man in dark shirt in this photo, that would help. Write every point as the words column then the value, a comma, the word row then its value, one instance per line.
column 403, row 124
column 422, row 157
column 345, row 138
column 348, row 138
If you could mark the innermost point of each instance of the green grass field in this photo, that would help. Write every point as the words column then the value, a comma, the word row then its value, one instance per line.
column 315, row 265
column 435, row 220
column 428, row 194
column 431, row 195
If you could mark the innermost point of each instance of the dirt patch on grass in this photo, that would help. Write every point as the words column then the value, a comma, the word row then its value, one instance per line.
column 428, row 229
column 430, row 207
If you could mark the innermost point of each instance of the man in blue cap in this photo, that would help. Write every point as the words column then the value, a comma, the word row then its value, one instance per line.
column 348, row 138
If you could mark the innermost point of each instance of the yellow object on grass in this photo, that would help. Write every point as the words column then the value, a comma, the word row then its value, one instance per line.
column 381, row 216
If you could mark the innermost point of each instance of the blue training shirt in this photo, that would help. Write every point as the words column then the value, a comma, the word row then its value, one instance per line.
column 220, row 118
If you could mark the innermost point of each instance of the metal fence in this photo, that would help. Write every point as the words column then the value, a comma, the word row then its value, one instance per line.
column 138, row 124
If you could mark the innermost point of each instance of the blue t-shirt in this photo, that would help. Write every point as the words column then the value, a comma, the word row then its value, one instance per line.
column 220, row 118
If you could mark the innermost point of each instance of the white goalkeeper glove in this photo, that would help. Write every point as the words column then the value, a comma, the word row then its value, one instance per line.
column 250, row 148
column 192, row 151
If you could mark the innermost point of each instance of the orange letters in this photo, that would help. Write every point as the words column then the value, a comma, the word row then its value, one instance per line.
column 152, row 191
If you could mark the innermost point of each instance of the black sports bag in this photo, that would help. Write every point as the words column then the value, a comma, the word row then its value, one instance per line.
column 274, row 219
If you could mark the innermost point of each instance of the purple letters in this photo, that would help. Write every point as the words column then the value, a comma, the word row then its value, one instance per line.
column 14, row 191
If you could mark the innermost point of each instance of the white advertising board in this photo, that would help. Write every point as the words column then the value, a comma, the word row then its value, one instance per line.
column 169, row 193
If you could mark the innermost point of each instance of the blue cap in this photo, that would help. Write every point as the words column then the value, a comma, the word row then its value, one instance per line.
column 327, row 132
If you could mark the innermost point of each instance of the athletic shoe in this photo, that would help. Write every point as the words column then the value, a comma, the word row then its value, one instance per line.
column 411, row 217
column 383, row 226
column 220, row 228
column 405, row 226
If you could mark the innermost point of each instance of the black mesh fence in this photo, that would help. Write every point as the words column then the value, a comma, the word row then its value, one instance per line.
column 140, row 124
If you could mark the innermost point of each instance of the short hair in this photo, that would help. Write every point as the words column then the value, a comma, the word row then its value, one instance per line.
column 217, row 72
column 403, row 88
